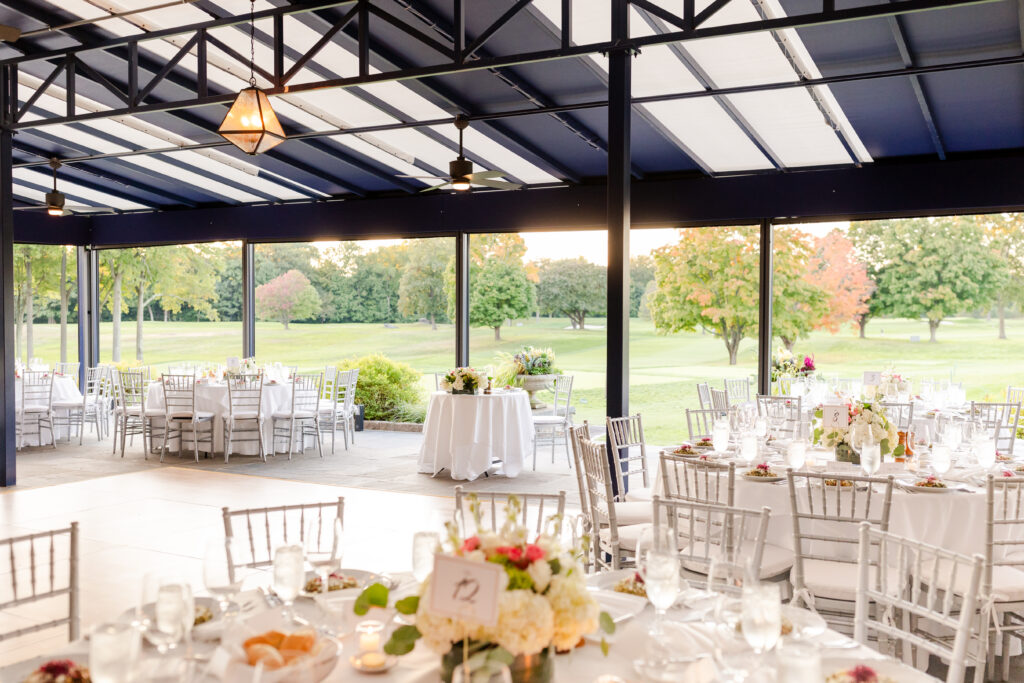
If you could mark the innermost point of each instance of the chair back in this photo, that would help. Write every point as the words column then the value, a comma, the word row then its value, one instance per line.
column 704, row 395
column 700, row 481
column 826, row 515
column 900, row 414
column 897, row 576
column 36, row 573
column 479, row 511
column 265, row 529
column 846, row 385
column 36, row 388
column 330, row 388
column 179, row 396
column 624, row 435
column 561, row 404
column 130, row 390
column 577, row 434
column 306, row 389
column 1001, row 420
column 714, row 537
column 602, row 504
column 719, row 400
column 700, row 423
column 787, row 410
column 1015, row 395
column 737, row 390
column 347, row 383
column 245, row 393
column 1004, row 527
column 69, row 369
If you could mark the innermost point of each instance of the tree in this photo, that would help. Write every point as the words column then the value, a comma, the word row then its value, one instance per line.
column 500, row 291
column 1005, row 235
column 572, row 287
column 421, row 291
column 641, row 273
column 798, row 301
column 65, row 287
column 289, row 296
column 507, row 247
column 118, row 268
column 930, row 268
column 37, row 268
column 835, row 268
column 278, row 258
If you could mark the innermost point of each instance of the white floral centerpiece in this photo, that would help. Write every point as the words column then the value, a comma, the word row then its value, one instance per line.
column 859, row 414
column 249, row 366
column 893, row 383
column 463, row 381
column 545, row 605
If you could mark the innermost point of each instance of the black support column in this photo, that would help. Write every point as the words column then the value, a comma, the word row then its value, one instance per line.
column 619, row 110
column 764, row 314
column 88, row 311
column 462, row 299
column 8, row 104
column 248, row 300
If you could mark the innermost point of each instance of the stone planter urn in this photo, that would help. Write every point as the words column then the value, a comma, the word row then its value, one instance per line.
column 533, row 384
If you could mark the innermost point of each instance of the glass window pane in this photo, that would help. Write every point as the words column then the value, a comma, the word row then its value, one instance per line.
column 45, row 304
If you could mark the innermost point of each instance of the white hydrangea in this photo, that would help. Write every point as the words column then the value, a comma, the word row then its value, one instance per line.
column 540, row 572
column 525, row 623
column 575, row 611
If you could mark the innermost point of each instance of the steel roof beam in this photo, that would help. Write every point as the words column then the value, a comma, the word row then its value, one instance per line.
column 915, row 82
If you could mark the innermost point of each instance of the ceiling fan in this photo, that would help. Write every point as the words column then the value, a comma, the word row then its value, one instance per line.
column 460, row 171
column 55, row 200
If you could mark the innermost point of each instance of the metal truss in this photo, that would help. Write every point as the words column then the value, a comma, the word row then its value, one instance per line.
column 454, row 55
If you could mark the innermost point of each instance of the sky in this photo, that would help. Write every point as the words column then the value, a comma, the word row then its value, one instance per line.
column 592, row 244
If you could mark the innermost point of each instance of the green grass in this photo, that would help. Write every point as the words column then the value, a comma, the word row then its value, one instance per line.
column 663, row 369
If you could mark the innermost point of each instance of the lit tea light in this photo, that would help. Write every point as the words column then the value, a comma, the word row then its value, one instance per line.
column 369, row 632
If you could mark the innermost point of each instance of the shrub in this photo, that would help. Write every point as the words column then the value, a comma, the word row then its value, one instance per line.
column 384, row 387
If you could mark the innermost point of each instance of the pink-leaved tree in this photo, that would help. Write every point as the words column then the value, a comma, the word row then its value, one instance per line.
column 287, row 297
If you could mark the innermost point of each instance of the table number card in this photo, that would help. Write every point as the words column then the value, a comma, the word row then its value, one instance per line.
column 463, row 589
column 872, row 378
column 834, row 416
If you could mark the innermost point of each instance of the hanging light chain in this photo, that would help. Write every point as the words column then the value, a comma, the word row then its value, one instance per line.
column 252, row 43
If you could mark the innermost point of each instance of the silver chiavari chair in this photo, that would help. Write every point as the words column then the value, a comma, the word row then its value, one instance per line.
column 903, row 601
column 244, row 421
column 35, row 412
column 265, row 529
column 347, row 405
column 131, row 417
column 90, row 409
column 700, row 481
column 737, row 390
column 489, row 510
column 626, row 440
column 586, row 527
column 900, row 414
column 999, row 419
column 1003, row 575
column 555, row 427
column 68, row 369
column 784, row 410
column 825, row 517
column 700, row 423
column 614, row 544
column 304, row 417
column 180, row 414
column 36, row 562
column 1015, row 395
column 704, row 395
column 710, row 537
column 719, row 400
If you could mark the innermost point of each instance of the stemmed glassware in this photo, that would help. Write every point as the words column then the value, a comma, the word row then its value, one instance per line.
column 289, row 575
column 720, row 435
column 761, row 615
column 941, row 459
column 224, row 570
column 173, row 612
column 657, row 559
column 323, row 545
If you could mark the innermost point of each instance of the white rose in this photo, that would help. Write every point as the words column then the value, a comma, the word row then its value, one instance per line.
column 540, row 572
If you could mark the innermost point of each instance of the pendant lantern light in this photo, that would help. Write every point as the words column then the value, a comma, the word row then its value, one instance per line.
column 251, row 124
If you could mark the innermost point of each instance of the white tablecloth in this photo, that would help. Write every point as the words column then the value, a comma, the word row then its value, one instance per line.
column 65, row 388
column 213, row 397
column 465, row 434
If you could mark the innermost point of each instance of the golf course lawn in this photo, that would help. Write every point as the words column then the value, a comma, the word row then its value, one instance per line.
column 663, row 370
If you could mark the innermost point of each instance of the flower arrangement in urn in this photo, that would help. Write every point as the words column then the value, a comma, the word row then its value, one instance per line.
column 871, row 416
column 787, row 364
column 463, row 381
column 545, row 605
column 531, row 368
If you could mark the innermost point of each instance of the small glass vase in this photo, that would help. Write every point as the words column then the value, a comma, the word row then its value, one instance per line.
column 463, row 391
column 538, row 668
column 846, row 454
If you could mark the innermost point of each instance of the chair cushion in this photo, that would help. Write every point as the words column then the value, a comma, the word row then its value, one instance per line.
column 640, row 494
column 37, row 408
column 837, row 580
column 628, row 535
column 1007, row 583
column 548, row 419
column 199, row 415
column 300, row 414
column 633, row 513
column 775, row 560
column 154, row 412
column 129, row 410
column 65, row 405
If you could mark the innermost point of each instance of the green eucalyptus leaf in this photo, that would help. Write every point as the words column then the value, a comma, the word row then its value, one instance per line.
column 607, row 623
column 402, row 641
column 408, row 605
column 604, row 647
column 374, row 595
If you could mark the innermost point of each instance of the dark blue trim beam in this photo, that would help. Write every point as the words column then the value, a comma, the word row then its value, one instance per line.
column 7, row 314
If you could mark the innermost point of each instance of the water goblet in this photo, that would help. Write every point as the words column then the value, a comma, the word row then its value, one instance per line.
column 748, row 447
column 761, row 427
column 424, row 545
column 323, row 546
column 870, row 457
column 720, row 435
column 113, row 649
column 289, row 575
column 223, row 570
column 985, row 451
column 662, row 582
column 941, row 459
column 761, row 616
column 796, row 454
column 170, row 600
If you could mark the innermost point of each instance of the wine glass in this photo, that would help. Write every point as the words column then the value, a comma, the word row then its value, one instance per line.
column 658, row 561
column 761, row 426
column 323, row 546
column 720, row 435
column 165, row 627
column 941, row 459
column 289, row 575
column 761, row 616
column 223, row 567
column 796, row 454
column 870, row 456
column 424, row 545
column 748, row 447
column 985, row 452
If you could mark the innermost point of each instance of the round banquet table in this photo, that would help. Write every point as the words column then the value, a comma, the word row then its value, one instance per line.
column 65, row 388
column 213, row 397
column 466, row 433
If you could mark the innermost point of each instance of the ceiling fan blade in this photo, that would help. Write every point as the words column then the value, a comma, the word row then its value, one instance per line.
column 497, row 184
column 435, row 187
column 436, row 177
column 90, row 209
column 487, row 174
column 36, row 207
column 9, row 34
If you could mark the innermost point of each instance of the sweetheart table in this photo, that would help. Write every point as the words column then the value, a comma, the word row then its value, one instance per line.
column 466, row 433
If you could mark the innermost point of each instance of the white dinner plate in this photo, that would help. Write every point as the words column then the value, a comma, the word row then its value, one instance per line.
column 363, row 579
column 606, row 581
column 898, row 671
column 766, row 480
column 909, row 486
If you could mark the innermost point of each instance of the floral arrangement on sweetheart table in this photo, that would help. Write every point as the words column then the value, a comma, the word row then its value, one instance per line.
column 463, row 381
column 787, row 364
column 859, row 414
column 545, row 606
